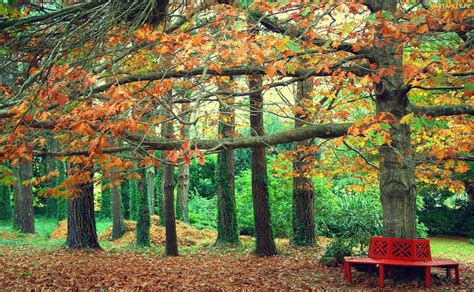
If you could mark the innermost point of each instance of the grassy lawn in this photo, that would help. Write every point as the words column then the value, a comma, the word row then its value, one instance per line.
column 44, row 227
column 457, row 248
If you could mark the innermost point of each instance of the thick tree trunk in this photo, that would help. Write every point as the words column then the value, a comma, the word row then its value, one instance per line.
column 227, row 229
column 81, row 228
column 143, row 220
column 265, row 245
column 118, row 222
column 17, row 198
column 168, row 198
column 303, row 191
column 134, row 198
column 397, row 176
column 27, row 216
column 151, row 188
column 397, row 166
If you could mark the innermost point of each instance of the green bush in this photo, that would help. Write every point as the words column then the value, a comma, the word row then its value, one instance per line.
column 203, row 212
column 445, row 213
column 339, row 248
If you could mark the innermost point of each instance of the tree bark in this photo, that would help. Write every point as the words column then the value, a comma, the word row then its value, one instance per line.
column 265, row 245
column 168, row 196
column 227, row 229
column 118, row 222
column 183, row 174
column 134, row 198
column 397, row 166
column 17, row 199
column 27, row 215
column 81, row 228
column 143, row 220
column 151, row 188
column 303, row 190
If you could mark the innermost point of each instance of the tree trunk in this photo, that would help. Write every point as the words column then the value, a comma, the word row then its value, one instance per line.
column 303, row 191
column 151, row 188
column 143, row 220
column 227, row 229
column 183, row 173
column 134, row 197
column 81, row 228
column 118, row 224
column 17, row 198
column 27, row 216
column 168, row 197
column 265, row 245
column 397, row 166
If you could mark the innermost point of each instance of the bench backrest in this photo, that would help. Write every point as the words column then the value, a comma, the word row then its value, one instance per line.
column 399, row 249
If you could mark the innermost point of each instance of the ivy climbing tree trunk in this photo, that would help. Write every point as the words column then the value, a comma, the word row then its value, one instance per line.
column 303, row 190
column 81, row 225
column 151, row 188
column 265, row 244
column 397, row 166
column 26, row 193
column 168, row 195
column 118, row 222
column 143, row 220
column 227, row 229
column 134, row 195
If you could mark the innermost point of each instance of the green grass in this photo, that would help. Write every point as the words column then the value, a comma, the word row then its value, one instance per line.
column 44, row 227
column 457, row 248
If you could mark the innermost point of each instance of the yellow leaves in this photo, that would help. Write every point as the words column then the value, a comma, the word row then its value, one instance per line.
column 406, row 119
column 216, row 68
column 146, row 33
column 83, row 128
column 271, row 70
column 364, row 80
column 423, row 29
column 458, row 166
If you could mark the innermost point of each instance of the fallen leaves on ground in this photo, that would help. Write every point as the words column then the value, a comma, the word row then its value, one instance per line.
column 33, row 268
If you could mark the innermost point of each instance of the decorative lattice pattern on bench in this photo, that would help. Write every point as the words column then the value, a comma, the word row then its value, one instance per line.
column 399, row 249
column 402, row 249
column 378, row 248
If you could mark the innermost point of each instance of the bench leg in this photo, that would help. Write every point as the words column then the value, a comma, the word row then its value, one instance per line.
column 349, row 273
column 344, row 271
column 427, row 277
column 448, row 272
column 381, row 276
column 456, row 270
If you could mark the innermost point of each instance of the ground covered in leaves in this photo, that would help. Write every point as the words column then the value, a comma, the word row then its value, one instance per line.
column 38, row 261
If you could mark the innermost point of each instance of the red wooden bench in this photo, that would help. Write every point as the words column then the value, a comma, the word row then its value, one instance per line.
column 384, row 251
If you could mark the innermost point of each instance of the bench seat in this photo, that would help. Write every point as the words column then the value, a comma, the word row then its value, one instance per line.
column 381, row 259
